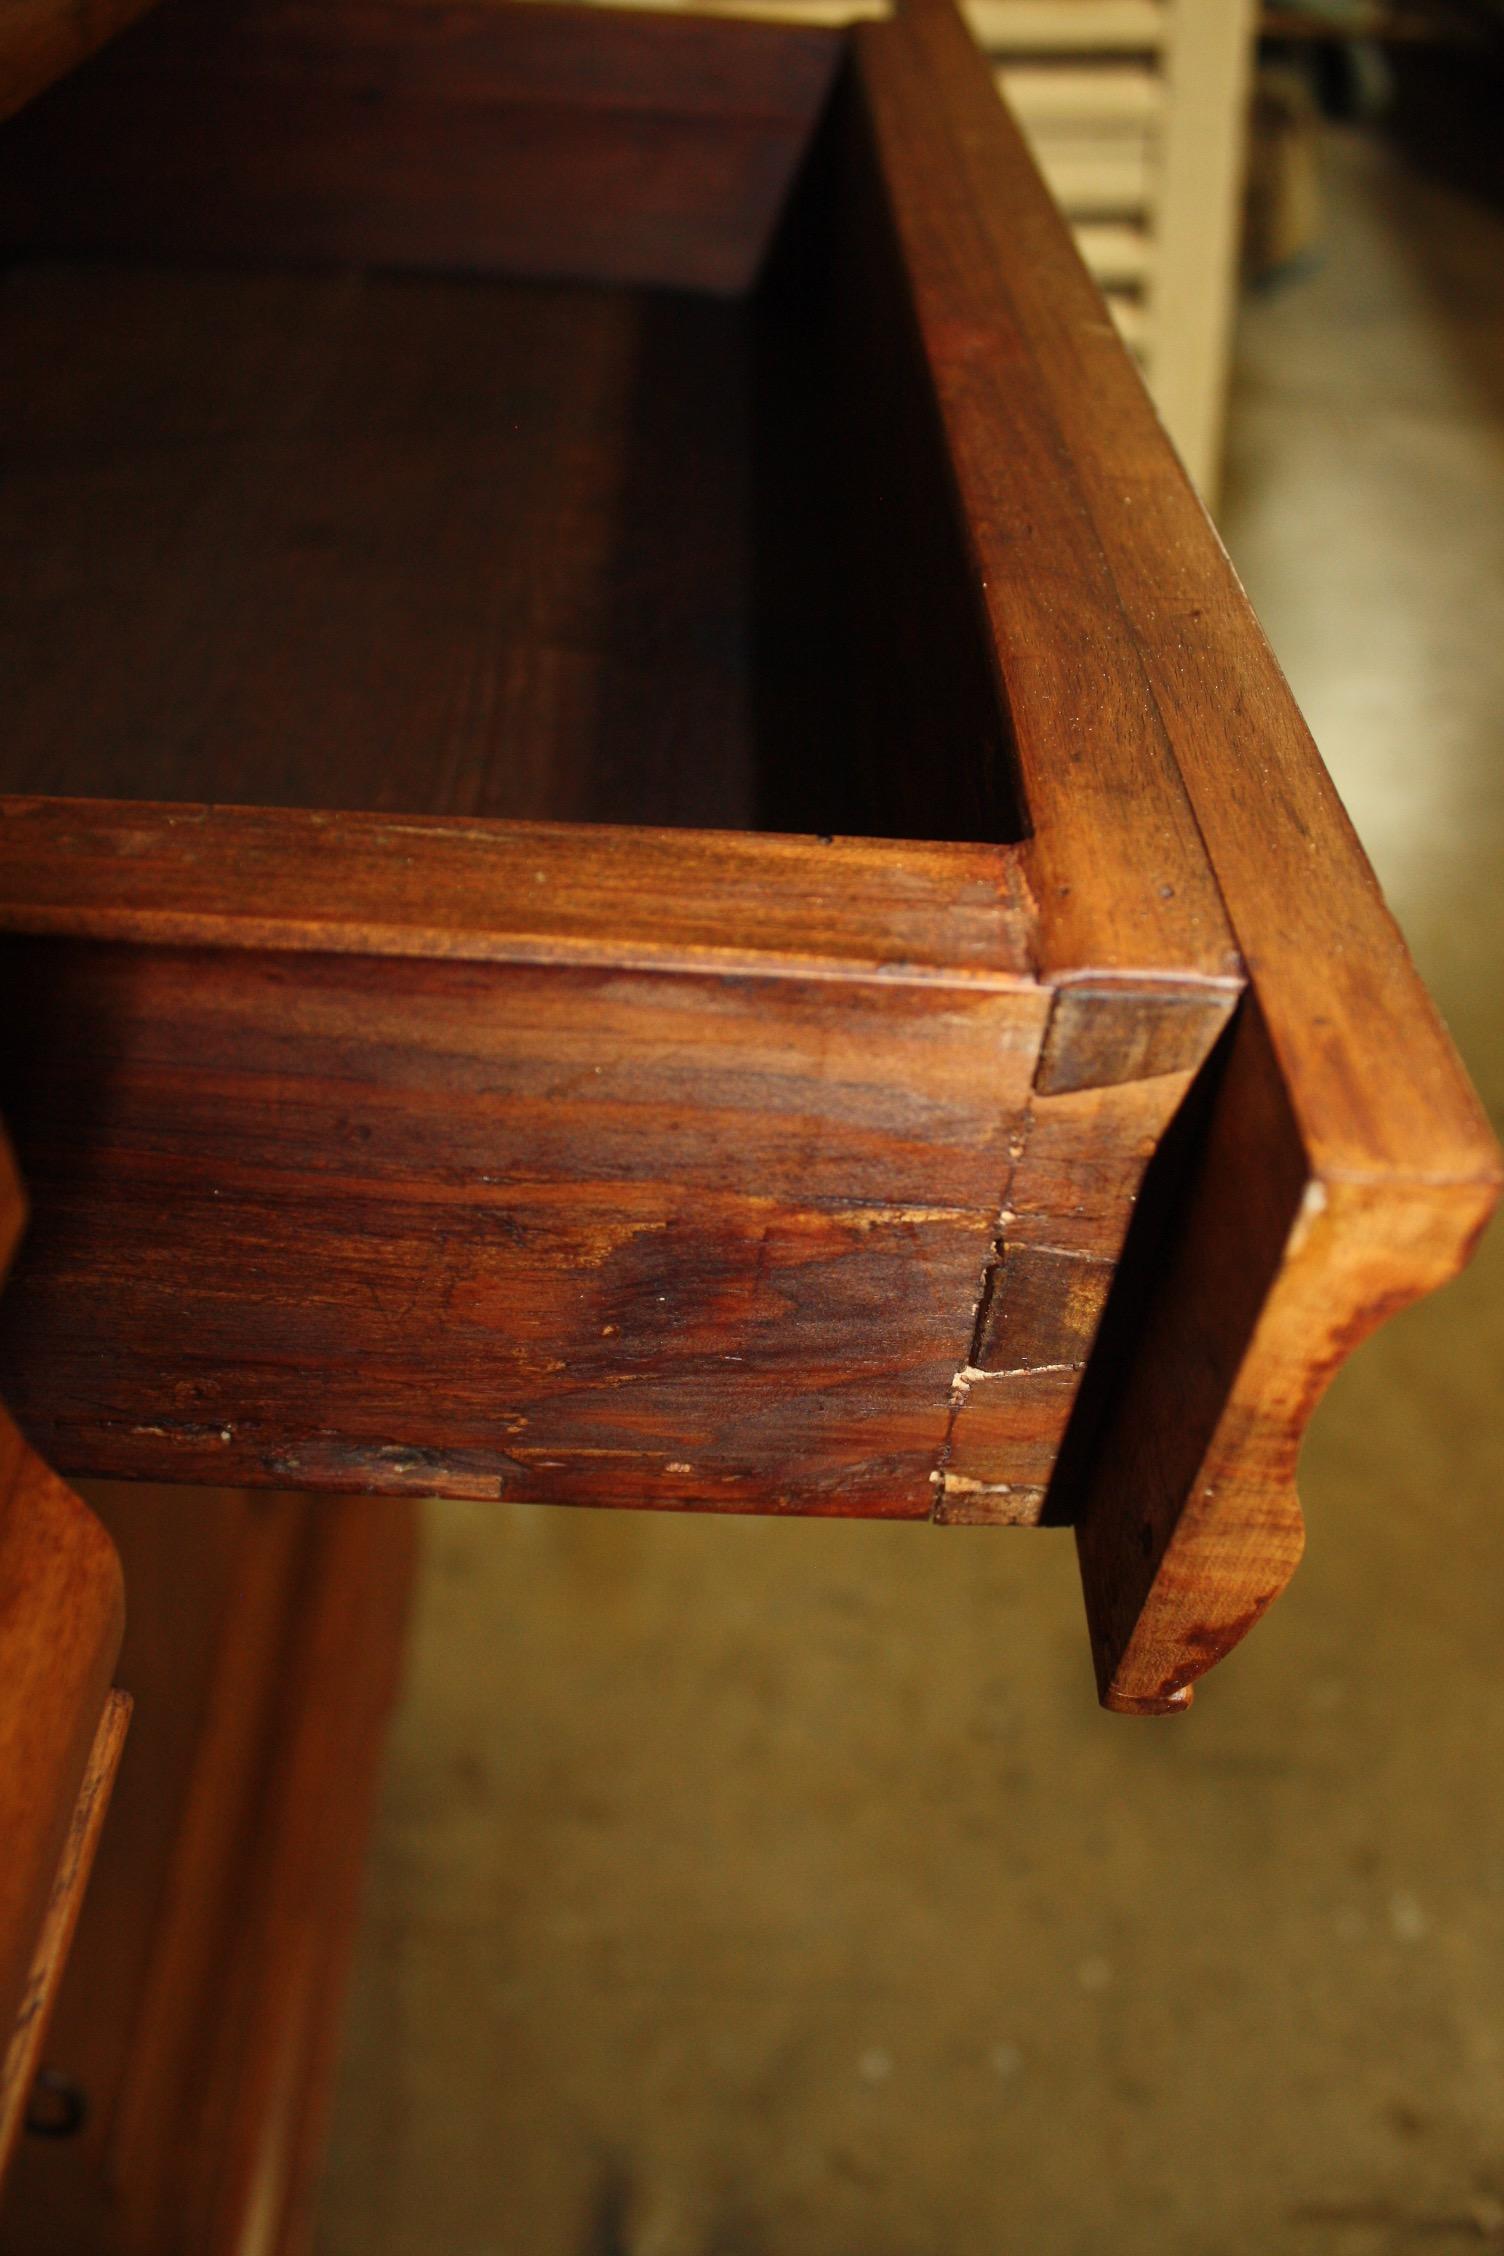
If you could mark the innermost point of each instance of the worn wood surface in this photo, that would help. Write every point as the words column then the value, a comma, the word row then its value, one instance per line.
column 1071, row 1197
column 669, row 1169
column 572, row 1233
column 201, row 2002
column 550, row 141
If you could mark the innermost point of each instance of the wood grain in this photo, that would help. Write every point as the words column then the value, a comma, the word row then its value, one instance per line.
column 272, row 2049
column 1099, row 780
column 60, row 1626
column 565, row 142
column 1187, row 1517
column 1340, row 994
column 1079, row 1161
column 667, row 1169
column 1373, row 1177
column 715, row 902
column 867, row 1125
column 557, row 1232
column 208, row 1577
column 375, row 542
column 22, row 2057
column 201, row 2001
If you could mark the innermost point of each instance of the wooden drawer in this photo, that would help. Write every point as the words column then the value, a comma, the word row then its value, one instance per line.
column 650, row 859
column 455, row 448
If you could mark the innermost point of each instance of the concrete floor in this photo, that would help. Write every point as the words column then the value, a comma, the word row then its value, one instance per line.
column 756, row 1889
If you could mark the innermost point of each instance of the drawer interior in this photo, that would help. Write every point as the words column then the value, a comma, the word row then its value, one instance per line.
column 370, row 540
column 580, row 417
column 495, row 515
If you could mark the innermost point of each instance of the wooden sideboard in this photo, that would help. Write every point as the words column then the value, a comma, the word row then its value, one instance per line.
column 651, row 859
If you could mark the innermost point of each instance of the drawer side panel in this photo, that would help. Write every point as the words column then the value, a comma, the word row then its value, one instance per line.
column 563, row 1233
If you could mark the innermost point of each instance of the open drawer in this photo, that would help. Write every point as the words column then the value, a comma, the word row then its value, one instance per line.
column 653, row 857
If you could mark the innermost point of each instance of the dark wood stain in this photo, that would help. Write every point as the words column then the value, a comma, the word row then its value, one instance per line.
column 222, row 484
column 562, row 142
column 513, row 452
column 519, row 546
column 573, row 1233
